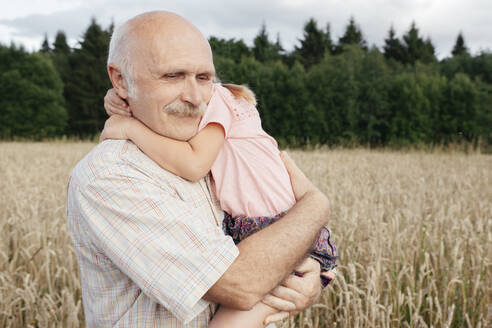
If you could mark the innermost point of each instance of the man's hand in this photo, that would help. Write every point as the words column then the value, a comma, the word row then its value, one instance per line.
column 295, row 293
column 116, row 127
column 114, row 104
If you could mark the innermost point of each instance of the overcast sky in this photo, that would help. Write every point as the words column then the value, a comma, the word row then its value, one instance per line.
column 26, row 21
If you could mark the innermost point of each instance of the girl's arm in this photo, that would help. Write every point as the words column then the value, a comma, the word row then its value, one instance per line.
column 190, row 159
column 254, row 318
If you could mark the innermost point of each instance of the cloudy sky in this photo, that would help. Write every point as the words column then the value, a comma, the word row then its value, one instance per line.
column 26, row 21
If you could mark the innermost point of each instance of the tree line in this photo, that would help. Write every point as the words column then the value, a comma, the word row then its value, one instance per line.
column 324, row 91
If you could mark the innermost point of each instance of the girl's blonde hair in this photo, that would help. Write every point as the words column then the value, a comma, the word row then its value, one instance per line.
column 241, row 91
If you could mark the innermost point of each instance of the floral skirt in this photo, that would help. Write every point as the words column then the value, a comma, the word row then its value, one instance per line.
column 324, row 250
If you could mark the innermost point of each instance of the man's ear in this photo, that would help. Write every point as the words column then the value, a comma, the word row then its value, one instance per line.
column 118, row 81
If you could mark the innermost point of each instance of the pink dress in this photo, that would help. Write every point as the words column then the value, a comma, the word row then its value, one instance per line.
column 251, row 181
column 250, row 177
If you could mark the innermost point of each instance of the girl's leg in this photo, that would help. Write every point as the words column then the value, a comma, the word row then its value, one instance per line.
column 229, row 318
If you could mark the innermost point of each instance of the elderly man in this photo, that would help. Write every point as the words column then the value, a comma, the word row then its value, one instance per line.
column 149, row 244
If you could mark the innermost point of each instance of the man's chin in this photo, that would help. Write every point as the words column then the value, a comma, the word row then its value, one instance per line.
column 187, row 127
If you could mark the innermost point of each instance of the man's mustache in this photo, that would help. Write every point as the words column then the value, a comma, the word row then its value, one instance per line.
column 183, row 109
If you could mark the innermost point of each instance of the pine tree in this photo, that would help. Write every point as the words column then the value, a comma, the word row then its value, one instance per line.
column 313, row 44
column 430, row 51
column 329, row 46
column 88, row 82
column 416, row 49
column 45, row 46
column 261, row 44
column 60, row 56
column 460, row 47
column 278, row 48
column 393, row 47
column 263, row 49
column 60, row 45
column 352, row 35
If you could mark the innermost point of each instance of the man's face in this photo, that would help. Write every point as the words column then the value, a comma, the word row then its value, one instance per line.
column 172, row 71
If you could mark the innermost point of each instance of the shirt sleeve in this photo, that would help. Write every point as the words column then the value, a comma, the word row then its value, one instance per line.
column 158, row 240
column 219, row 110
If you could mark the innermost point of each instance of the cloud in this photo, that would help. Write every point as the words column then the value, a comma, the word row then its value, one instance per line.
column 439, row 19
column 72, row 22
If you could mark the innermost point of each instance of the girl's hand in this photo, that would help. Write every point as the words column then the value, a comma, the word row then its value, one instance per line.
column 116, row 127
column 114, row 104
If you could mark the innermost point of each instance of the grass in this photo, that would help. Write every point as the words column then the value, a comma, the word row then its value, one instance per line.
column 414, row 230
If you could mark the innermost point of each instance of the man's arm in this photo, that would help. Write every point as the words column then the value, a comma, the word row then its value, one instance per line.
column 271, row 254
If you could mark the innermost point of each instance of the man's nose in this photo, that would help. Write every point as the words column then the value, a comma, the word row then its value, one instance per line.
column 191, row 93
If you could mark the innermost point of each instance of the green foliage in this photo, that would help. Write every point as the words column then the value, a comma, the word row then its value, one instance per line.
column 374, row 126
column 449, row 67
column 484, row 115
column 231, row 49
column 264, row 50
column 32, row 104
column 87, row 82
column 314, row 44
column 45, row 46
column 415, row 48
column 60, row 45
column 460, row 108
column 60, row 56
column 482, row 67
column 393, row 49
column 334, row 88
column 460, row 47
column 317, row 94
column 352, row 36
column 412, row 108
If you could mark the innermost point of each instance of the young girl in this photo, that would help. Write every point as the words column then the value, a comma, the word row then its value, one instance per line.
column 252, row 183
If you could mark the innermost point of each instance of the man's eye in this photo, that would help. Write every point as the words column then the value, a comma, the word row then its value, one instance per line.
column 204, row 77
column 170, row 76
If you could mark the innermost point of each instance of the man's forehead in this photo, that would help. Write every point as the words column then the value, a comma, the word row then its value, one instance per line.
column 167, row 47
column 185, row 67
column 182, row 59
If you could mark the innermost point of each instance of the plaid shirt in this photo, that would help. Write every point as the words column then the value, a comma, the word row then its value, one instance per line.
column 149, row 243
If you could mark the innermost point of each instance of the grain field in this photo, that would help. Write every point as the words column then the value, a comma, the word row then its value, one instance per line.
column 414, row 231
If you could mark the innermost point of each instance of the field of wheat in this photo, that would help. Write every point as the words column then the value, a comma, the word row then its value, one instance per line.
column 414, row 231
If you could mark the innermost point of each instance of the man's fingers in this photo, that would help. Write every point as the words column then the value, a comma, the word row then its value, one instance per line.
column 275, row 317
column 286, row 293
column 291, row 295
column 309, row 285
column 296, row 283
column 278, row 303
column 308, row 265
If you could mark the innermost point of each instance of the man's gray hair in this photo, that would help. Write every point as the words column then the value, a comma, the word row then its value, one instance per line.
column 119, row 53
